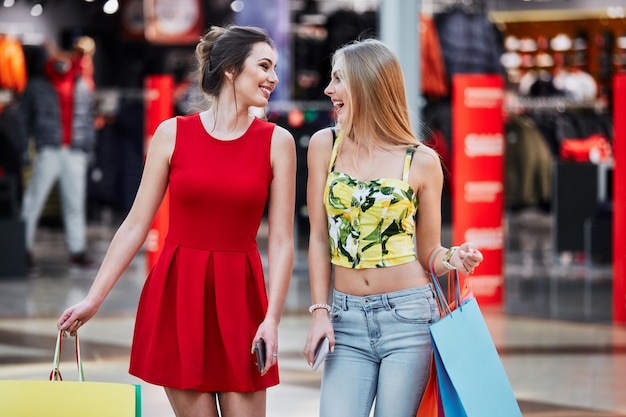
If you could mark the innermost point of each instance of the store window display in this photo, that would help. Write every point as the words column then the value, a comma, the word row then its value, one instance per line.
column 559, row 131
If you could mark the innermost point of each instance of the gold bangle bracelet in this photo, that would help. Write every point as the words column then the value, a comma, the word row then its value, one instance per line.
column 447, row 256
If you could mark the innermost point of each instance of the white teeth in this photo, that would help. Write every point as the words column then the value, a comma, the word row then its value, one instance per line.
column 337, row 103
column 266, row 90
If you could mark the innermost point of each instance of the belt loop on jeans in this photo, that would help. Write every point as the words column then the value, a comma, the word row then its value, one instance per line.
column 432, row 289
column 344, row 302
column 386, row 303
column 341, row 300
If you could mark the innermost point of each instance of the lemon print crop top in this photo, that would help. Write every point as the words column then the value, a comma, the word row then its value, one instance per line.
column 370, row 223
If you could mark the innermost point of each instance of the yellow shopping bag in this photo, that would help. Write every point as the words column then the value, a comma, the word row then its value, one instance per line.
column 58, row 398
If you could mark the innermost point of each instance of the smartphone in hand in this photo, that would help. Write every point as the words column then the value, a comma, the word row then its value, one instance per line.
column 259, row 351
column 322, row 349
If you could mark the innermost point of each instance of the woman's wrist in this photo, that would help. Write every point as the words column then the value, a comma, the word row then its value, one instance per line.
column 319, row 306
column 448, row 256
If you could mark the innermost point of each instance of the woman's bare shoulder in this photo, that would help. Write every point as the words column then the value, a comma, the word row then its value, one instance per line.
column 164, row 138
column 425, row 155
column 322, row 139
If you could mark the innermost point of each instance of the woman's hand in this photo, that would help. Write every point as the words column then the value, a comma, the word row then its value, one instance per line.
column 466, row 258
column 77, row 315
column 320, row 328
column 268, row 331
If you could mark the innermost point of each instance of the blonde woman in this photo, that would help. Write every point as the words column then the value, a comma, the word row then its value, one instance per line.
column 374, row 194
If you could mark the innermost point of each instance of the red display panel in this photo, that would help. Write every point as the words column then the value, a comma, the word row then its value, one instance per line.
column 619, row 199
column 158, row 107
column 478, row 178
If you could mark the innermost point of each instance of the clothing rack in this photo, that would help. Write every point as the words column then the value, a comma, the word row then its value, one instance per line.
column 467, row 6
column 561, row 104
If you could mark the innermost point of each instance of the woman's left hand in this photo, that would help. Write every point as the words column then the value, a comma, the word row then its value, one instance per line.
column 268, row 331
column 466, row 258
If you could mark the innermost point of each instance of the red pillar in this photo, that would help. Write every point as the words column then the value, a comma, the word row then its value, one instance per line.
column 619, row 199
column 158, row 107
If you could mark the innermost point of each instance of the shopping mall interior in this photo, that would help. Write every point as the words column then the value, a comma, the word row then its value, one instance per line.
column 556, row 59
column 560, row 65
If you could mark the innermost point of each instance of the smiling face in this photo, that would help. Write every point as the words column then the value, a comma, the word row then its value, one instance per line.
column 337, row 92
column 258, row 78
column 367, row 90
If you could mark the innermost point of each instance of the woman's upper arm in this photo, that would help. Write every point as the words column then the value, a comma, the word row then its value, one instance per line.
column 283, row 187
column 318, row 160
column 155, row 175
column 427, row 174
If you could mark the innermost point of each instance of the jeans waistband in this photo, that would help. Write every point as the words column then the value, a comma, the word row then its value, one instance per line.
column 384, row 300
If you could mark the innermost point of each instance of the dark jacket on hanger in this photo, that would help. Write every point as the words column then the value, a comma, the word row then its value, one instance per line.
column 528, row 165
column 470, row 43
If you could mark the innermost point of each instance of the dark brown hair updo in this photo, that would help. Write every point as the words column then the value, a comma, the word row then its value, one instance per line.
column 224, row 49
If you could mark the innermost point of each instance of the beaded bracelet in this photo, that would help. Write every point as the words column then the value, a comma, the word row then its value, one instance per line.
column 314, row 307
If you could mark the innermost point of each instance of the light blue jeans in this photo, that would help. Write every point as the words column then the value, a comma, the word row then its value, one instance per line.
column 382, row 351
column 69, row 167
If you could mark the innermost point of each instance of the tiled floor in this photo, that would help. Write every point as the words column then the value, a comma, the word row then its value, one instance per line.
column 556, row 368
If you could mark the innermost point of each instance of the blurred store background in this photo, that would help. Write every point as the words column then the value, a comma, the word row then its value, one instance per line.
column 559, row 67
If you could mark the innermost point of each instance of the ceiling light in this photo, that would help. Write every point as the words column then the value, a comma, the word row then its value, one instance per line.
column 36, row 10
column 616, row 12
column 111, row 7
column 237, row 6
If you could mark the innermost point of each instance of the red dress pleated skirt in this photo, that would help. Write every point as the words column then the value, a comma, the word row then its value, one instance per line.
column 205, row 297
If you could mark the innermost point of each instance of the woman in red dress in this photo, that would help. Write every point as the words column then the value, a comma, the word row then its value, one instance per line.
column 204, row 305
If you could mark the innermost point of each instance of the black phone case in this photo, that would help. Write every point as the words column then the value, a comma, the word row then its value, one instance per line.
column 259, row 350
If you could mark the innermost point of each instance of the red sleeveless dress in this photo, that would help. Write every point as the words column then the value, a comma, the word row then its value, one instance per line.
column 205, row 297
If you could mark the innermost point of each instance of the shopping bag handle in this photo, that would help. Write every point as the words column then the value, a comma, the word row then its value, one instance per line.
column 55, row 374
column 445, row 307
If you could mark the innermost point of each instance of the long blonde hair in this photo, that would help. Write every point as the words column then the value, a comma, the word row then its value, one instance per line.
column 377, row 99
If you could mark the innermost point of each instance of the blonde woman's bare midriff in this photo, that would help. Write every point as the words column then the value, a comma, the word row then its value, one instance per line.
column 368, row 281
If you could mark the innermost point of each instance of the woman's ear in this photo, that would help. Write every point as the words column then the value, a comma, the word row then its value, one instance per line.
column 230, row 76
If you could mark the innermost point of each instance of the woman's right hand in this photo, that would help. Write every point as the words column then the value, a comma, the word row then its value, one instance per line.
column 320, row 327
column 77, row 315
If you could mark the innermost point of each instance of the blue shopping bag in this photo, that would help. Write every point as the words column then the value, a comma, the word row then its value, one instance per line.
column 471, row 379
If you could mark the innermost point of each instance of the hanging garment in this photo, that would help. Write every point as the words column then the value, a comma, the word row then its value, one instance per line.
column 12, row 64
column 528, row 165
column 432, row 67
column 470, row 43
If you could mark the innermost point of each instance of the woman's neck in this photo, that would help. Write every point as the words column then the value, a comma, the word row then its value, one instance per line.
column 224, row 122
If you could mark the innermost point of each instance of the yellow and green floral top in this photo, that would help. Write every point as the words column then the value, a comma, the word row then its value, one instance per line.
column 370, row 223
